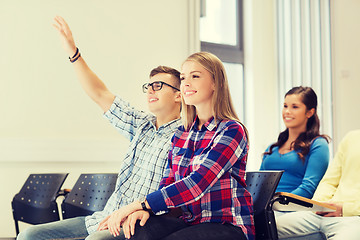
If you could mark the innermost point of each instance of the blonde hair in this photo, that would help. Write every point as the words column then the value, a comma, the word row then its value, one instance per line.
column 222, row 104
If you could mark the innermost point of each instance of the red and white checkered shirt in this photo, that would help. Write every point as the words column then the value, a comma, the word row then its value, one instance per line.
column 205, row 176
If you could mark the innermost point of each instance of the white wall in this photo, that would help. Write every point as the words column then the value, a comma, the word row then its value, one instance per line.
column 42, row 104
column 261, row 101
column 346, row 71
column 47, row 123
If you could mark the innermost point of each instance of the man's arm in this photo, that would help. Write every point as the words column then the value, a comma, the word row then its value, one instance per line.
column 92, row 85
column 344, row 167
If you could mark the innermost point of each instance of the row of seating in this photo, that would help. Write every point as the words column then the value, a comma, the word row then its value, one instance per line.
column 36, row 201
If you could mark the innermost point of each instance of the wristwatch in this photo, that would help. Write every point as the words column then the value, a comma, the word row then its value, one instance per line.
column 143, row 205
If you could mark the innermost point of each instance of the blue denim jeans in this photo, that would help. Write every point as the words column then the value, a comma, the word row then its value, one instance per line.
column 72, row 228
column 308, row 225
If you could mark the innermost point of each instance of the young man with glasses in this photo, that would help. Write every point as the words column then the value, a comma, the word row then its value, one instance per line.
column 149, row 136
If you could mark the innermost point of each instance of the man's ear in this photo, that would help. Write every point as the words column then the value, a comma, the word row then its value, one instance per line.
column 178, row 96
column 310, row 113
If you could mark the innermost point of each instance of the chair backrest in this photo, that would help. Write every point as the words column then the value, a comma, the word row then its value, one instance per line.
column 36, row 201
column 262, row 186
column 89, row 194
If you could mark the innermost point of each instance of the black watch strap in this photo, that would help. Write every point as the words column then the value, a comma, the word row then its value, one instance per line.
column 143, row 205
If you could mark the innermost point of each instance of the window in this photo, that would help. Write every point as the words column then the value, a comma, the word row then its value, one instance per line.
column 221, row 34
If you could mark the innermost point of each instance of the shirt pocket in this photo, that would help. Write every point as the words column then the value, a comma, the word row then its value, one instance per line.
column 177, row 155
column 181, row 158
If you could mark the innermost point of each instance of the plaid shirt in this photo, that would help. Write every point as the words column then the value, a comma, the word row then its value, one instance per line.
column 145, row 161
column 205, row 176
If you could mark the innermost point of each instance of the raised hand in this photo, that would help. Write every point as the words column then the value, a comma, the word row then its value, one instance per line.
column 90, row 82
column 66, row 35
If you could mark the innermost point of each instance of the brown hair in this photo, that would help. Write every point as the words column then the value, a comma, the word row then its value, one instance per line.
column 304, row 140
column 168, row 70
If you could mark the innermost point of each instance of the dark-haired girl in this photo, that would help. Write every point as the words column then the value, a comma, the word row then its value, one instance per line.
column 300, row 150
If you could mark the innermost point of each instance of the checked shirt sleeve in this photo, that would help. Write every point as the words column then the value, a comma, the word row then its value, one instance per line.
column 168, row 177
column 225, row 150
column 125, row 118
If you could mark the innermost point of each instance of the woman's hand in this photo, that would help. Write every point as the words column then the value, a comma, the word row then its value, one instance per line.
column 337, row 213
column 103, row 225
column 118, row 217
column 67, row 38
column 129, row 224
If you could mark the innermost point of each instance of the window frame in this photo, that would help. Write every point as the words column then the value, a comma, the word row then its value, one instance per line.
column 229, row 53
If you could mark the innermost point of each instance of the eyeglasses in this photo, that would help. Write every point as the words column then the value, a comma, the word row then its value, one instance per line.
column 156, row 86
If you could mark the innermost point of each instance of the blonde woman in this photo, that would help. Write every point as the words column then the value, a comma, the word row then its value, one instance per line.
column 204, row 180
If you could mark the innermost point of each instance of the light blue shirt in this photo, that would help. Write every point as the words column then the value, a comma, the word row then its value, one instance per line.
column 145, row 161
column 300, row 178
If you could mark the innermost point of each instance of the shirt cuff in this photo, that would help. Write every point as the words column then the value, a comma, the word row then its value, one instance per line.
column 156, row 202
column 108, row 114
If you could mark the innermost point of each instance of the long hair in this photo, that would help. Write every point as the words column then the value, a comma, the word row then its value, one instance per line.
column 303, row 142
column 222, row 103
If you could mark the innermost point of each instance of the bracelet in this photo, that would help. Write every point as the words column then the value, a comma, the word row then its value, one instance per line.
column 76, row 58
column 77, row 51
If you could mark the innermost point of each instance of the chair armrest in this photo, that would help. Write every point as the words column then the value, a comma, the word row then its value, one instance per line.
column 64, row 192
column 289, row 202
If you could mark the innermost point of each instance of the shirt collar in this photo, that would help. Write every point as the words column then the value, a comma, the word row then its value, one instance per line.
column 172, row 125
column 210, row 125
